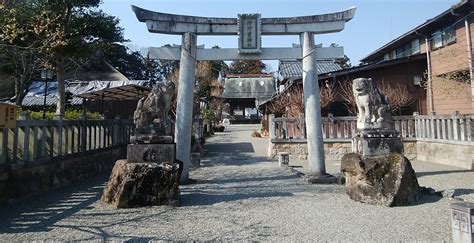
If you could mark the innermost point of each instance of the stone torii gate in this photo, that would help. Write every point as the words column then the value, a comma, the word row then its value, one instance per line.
column 249, row 28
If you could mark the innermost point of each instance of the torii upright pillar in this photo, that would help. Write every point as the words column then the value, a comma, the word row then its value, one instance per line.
column 312, row 104
column 184, row 107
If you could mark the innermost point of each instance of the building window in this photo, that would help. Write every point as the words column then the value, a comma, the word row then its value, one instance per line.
column 449, row 35
column 400, row 52
column 443, row 37
column 436, row 40
column 417, row 80
column 393, row 54
column 386, row 56
column 415, row 46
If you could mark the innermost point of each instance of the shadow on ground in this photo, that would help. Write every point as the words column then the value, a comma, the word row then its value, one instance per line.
column 440, row 172
column 196, row 198
column 230, row 147
column 221, row 181
column 67, row 208
column 49, row 208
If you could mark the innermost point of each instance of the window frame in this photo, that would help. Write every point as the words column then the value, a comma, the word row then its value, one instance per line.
column 417, row 45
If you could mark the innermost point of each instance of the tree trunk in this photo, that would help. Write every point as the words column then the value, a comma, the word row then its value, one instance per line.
column 18, row 91
column 61, row 92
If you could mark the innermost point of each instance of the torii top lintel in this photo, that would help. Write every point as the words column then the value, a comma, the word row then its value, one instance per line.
column 178, row 24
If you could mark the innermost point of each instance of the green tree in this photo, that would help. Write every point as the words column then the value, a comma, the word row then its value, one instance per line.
column 246, row 67
column 60, row 29
column 19, row 46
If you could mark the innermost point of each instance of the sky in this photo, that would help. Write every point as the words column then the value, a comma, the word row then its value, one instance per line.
column 376, row 22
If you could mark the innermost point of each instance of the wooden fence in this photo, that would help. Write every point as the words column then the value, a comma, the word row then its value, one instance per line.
column 47, row 139
column 455, row 128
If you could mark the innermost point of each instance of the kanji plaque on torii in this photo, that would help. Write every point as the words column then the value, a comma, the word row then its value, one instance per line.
column 249, row 28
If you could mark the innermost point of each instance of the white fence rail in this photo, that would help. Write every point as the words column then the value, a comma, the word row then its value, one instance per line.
column 453, row 129
column 47, row 139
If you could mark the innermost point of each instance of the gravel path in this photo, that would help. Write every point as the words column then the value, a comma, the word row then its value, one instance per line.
column 239, row 195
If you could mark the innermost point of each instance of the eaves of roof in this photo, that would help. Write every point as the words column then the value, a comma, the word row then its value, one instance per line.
column 380, row 64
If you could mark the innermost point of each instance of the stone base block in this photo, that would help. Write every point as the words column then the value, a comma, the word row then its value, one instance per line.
column 142, row 184
column 377, row 146
column 157, row 153
column 384, row 180
column 283, row 159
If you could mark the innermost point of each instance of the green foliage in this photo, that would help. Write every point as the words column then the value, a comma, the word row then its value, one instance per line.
column 50, row 33
column 207, row 114
column 247, row 67
column 72, row 114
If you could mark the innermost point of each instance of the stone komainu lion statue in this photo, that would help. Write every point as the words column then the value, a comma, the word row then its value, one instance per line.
column 151, row 115
column 373, row 106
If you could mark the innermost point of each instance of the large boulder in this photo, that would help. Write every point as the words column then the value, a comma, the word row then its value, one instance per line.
column 143, row 184
column 384, row 180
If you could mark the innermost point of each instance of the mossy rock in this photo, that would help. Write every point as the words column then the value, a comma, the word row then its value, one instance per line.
column 385, row 180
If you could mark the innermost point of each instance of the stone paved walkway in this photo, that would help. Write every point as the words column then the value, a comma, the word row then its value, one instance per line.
column 239, row 195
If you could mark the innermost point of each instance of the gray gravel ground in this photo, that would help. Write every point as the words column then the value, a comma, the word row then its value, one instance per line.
column 239, row 195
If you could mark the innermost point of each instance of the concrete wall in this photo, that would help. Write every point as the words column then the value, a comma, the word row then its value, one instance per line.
column 27, row 179
column 333, row 150
column 448, row 154
column 457, row 155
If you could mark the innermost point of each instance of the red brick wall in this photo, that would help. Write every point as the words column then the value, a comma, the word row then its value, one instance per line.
column 450, row 95
column 452, row 57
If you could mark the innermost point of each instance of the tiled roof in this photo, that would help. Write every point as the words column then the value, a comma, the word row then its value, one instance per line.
column 294, row 69
column 35, row 95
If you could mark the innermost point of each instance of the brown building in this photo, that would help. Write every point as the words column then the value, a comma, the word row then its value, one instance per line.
column 436, row 55
column 433, row 62
column 405, row 73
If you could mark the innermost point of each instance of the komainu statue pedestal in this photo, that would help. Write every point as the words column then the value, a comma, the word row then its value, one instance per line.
column 142, row 184
column 376, row 171
column 150, row 175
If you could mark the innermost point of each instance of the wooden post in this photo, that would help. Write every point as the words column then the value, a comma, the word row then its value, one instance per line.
column 4, row 157
column 36, row 144
column 455, row 125
column 43, row 141
column 83, row 130
column 15, row 145
column 271, row 126
column 417, row 124
column 444, row 129
column 26, row 142
column 303, row 127
column 469, row 127
column 51, row 141
column 438, row 129
column 59, row 128
column 331, row 125
column 432, row 125
column 462, row 129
